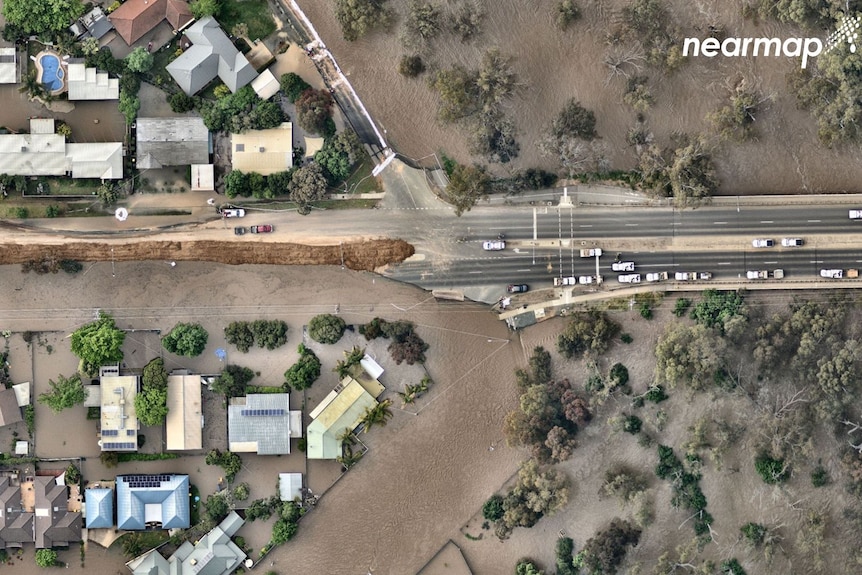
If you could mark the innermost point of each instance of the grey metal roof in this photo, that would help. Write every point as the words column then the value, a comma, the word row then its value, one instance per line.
column 171, row 142
column 261, row 421
column 211, row 54
column 169, row 492
column 100, row 507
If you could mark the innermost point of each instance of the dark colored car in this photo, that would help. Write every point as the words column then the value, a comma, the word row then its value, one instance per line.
column 264, row 229
column 239, row 230
column 518, row 288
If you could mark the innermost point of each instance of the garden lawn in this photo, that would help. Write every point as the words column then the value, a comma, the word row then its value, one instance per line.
column 255, row 14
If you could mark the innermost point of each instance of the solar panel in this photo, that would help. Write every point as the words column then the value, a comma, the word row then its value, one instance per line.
column 263, row 412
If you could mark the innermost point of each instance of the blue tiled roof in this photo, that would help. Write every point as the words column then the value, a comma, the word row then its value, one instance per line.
column 170, row 492
column 100, row 508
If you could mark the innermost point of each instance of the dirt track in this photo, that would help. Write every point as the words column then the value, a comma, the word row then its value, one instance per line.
column 359, row 255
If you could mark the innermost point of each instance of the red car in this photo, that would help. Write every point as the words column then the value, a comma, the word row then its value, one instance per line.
column 264, row 229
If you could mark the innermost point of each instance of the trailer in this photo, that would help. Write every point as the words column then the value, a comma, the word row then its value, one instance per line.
column 591, row 252
column 565, row 281
column 656, row 276
column 765, row 274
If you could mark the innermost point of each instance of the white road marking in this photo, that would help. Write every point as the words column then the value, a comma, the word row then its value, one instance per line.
column 523, row 270
column 769, row 263
column 816, row 261
column 813, row 221
column 630, row 225
column 585, row 226
column 766, row 221
column 475, row 272
column 723, row 264
column 719, row 223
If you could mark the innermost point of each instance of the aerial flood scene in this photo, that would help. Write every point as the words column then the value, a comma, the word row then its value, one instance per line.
column 430, row 287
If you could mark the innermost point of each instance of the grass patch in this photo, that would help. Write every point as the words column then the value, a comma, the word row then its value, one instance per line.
column 194, row 504
column 346, row 204
column 126, row 457
column 64, row 187
column 263, row 389
column 254, row 13
column 360, row 181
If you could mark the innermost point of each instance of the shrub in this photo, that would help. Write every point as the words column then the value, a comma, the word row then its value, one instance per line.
column 292, row 85
column 326, row 328
column 619, row 374
column 754, row 533
column 819, row 476
column 304, row 372
column 181, row 102
column 771, row 470
column 186, row 339
column 411, row 66
column 626, row 338
column 71, row 266
column 646, row 311
column 632, row 424
column 682, row 305
column 493, row 510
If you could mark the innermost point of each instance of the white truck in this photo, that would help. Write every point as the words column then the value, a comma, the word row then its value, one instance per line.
column 623, row 266
column 692, row 276
column 586, row 280
column 839, row 274
column 856, row 214
column 629, row 279
column 566, row 281
column 591, row 252
column 656, row 276
column 765, row 274
column 233, row 213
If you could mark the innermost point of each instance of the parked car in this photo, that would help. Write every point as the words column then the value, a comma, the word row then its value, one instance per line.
column 856, row 214
column 494, row 245
column 623, row 266
column 630, row 279
column 792, row 242
column 518, row 288
column 239, row 230
column 564, row 281
column 763, row 243
column 690, row 276
column 233, row 213
column 264, row 229
column 586, row 280
column 591, row 252
column 656, row 276
column 832, row 274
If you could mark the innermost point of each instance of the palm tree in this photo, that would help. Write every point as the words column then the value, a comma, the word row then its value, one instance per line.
column 408, row 396
column 377, row 415
column 348, row 458
column 346, row 437
column 342, row 369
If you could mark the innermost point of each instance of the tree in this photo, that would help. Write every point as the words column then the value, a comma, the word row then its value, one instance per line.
column 236, row 183
column 560, row 443
column 230, row 462
column 411, row 350
column 292, row 85
column 89, row 46
column 139, row 60
column 574, row 121
column 771, row 470
column 411, row 66
column 338, row 156
column 492, row 510
column 690, row 355
column 467, row 185
column 467, row 20
column 181, row 102
column 203, row 8
column 358, row 17
column 692, row 174
column 216, row 508
column 304, row 372
column 269, row 334
column 241, row 492
column 565, row 552
column 458, row 93
column 41, row 17
column 604, row 552
column 186, row 339
column 73, row 475
column 98, row 343
column 283, row 531
column 266, row 115
column 326, row 328
column 154, row 374
column 239, row 334
column 377, row 415
column 536, row 493
column 313, row 110
column 151, row 405
column 567, row 13
column 46, row 557
column 307, row 185
column 129, row 106
column 108, row 192
column 423, row 23
column 232, row 381
column 527, row 567
column 587, row 332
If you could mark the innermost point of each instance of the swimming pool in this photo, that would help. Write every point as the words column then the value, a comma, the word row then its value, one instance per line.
column 52, row 74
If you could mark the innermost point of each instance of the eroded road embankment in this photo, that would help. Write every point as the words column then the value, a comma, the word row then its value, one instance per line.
column 358, row 255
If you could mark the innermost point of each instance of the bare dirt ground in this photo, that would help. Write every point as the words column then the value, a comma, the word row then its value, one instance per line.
column 553, row 66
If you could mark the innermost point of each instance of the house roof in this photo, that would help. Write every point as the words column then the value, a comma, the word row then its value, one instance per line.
column 262, row 423
column 137, row 17
column 96, row 23
column 183, row 423
column 213, row 554
column 266, row 85
column 100, row 507
column 8, row 66
column 211, row 54
column 55, row 525
column 263, row 151
column 9, row 410
column 340, row 410
column 90, row 84
column 203, row 178
column 290, row 486
column 13, row 519
column 119, row 420
column 172, row 142
column 147, row 499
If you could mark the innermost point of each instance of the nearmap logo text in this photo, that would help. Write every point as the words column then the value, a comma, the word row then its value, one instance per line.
column 807, row 48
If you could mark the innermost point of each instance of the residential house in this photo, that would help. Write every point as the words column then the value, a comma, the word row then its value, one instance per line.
column 163, row 142
column 184, row 423
column 119, row 420
column 9, row 411
column 211, row 54
column 8, row 66
column 134, row 18
column 92, row 24
column 266, row 85
column 263, row 151
column 160, row 501
column 47, row 522
column 43, row 152
column 99, row 504
column 212, row 554
column 341, row 410
column 262, row 423
column 88, row 83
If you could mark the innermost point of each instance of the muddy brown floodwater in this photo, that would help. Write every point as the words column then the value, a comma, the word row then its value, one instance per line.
column 553, row 66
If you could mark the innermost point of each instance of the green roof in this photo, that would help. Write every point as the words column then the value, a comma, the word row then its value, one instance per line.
column 343, row 412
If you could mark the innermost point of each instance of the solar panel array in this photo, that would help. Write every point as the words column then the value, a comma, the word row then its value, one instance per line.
column 110, row 433
column 254, row 412
column 145, row 480
column 121, row 445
